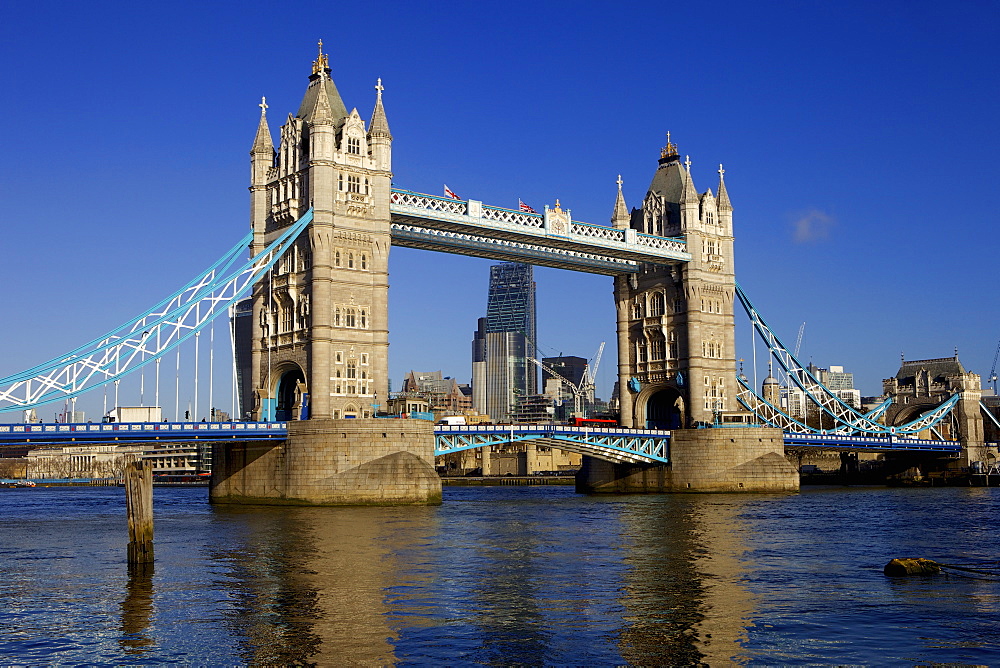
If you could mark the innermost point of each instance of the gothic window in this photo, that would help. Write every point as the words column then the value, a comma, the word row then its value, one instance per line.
column 656, row 304
column 366, row 186
column 339, row 356
column 340, row 182
column 673, row 345
column 350, row 260
column 338, row 387
column 642, row 351
column 336, row 317
column 710, row 218
column 364, row 359
column 354, row 184
column 286, row 318
column 657, row 349
column 354, row 145
column 678, row 305
column 364, row 319
column 350, row 319
column 364, row 261
column 364, row 374
column 638, row 309
column 336, row 258
column 352, row 369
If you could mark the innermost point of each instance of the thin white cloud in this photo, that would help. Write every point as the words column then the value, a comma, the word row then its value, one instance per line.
column 812, row 226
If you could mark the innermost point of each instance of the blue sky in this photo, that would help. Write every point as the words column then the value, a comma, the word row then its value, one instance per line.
column 858, row 141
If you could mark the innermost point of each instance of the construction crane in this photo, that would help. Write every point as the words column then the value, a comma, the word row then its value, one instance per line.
column 579, row 391
column 589, row 381
column 993, row 371
column 798, row 340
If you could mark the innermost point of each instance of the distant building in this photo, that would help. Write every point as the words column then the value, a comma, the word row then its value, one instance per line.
column 109, row 461
column 504, row 342
column 920, row 385
column 534, row 408
column 443, row 393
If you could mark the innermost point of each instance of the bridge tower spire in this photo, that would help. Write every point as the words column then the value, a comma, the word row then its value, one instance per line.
column 321, row 338
column 320, row 334
column 675, row 324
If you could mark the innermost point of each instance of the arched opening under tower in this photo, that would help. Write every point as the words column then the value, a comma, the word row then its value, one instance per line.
column 947, row 429
column 290, row 395
column 665, row 410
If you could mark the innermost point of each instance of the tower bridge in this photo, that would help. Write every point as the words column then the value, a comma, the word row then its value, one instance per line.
column 324, row 216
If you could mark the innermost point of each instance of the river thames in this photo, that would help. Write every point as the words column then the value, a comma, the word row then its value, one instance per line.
column 503, row 576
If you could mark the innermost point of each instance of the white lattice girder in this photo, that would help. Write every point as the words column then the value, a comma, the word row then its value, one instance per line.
column 775, row 417
column 148, row 337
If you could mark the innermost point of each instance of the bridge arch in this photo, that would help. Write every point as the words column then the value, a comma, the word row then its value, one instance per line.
column 660, row 406
column 290, row 392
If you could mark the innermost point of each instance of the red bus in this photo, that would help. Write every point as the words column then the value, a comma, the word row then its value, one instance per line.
column 591, row 422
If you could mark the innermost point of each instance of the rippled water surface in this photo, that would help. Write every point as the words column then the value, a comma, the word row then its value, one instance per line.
column 502, row 575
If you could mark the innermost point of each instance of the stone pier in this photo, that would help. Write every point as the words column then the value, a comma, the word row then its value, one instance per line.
column 739, row 459
column 331, row 462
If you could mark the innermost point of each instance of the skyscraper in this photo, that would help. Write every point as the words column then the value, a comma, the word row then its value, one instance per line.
column 505, row 340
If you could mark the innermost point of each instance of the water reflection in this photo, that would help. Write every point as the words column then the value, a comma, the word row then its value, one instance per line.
column 682, row 596
column 532, row 580
column 137, row 610
column 311, row 583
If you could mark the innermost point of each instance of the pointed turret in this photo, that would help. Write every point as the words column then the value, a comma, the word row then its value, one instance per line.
column 321, row 95
column 263, row 143
column 689, row 194
column 379, row 126
column 723, row 198
column 620, row 219
column 379, row 137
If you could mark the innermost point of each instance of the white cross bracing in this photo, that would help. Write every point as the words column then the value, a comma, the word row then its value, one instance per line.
column 847, row 418
column 472, row 228
column 148, row 337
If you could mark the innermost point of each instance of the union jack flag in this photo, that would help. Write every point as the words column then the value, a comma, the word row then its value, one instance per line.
column 448, row 192
column 524, row 207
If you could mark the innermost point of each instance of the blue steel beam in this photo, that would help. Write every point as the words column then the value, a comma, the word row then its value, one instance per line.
column 869, row 443
column 613, row 444
column 120, row 433
column 645, row 446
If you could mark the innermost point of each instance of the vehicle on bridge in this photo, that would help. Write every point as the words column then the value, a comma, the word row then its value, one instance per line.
column 591, row 422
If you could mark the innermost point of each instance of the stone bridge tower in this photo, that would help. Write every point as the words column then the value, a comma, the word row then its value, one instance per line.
column 320, row 317
column 675, row 324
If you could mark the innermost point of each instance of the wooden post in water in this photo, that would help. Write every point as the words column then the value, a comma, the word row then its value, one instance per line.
column 139, row 507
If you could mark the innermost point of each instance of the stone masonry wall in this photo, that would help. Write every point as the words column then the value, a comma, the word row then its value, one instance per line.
column 332, row 462
column 701, row 460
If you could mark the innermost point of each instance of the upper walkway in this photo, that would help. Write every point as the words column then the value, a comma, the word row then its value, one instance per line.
column 549, row 239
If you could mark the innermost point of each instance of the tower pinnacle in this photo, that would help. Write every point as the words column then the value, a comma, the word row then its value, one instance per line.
column 322, row 62
column 668, row 152
column 379, row 126
column 723, row 198
column 620, row 218
column 262, row 142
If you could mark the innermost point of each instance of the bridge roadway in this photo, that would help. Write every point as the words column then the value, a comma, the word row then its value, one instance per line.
column 617, row 444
